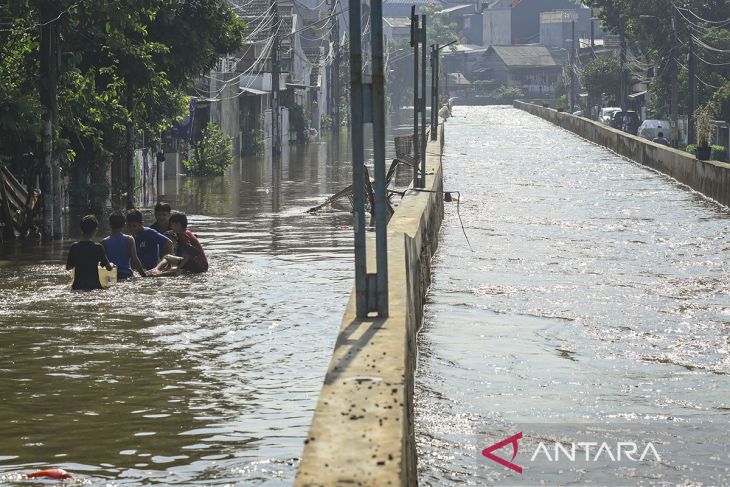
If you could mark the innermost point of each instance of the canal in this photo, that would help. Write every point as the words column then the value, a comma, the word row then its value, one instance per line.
column 207, row 379
column 594, row 307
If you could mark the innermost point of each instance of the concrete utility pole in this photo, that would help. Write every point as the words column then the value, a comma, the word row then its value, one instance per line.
column 675, row 86
column 593, row 34
column 48, row 89
column 622, row 58
column 572, row 68
column 692, row 101
column 275, row 72
column 434, row 89
column 367, row 105
column 415, row 39
column 423, row 141
column 335, row 70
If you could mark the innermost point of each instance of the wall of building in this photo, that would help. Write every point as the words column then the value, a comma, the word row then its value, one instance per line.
column 497, row 27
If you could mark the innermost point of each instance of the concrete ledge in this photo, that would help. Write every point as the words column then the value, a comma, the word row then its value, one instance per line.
column 711, row 178
column 362, row 432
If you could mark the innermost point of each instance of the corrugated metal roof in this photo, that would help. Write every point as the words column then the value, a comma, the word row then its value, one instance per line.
column 524, row 56
column 398, row 21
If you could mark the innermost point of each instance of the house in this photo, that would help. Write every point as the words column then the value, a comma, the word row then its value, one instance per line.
column 531, row 68
column 518, row 21
column 396, row 29
column 402, row 8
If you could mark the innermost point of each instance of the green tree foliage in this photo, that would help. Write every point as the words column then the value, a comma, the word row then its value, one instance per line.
column 647, row 25
column 212, row 155
column 122, row 62
column 439, row 29
column 602, row 75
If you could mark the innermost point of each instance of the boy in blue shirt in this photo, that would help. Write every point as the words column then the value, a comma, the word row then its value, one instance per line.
column 150, row 243
column 121, row 249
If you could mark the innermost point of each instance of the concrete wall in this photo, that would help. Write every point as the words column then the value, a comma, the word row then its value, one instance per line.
column 710, row 178
column 362, row 432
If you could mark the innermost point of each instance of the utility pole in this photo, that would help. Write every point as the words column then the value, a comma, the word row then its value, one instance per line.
column 572, row 68
column 692, row 101
column 415, row 39
column 131, row 203
column 423, row 140
column 367, row 104
column 675, row 85
column 48, row 93
column 593, row 34
column 275, row 71
column 622, row 57
column 335, row 70
column 434, row 89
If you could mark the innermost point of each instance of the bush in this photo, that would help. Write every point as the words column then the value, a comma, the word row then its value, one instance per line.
column 719, row 153
column 691, row 148
column 507, row 94
column 212, row 155
column 325, row 122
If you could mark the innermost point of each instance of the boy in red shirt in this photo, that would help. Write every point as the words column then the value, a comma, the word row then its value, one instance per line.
column 189, row 248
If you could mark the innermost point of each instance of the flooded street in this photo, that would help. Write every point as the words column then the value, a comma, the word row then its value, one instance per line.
column 207, row 379
column 594, row 307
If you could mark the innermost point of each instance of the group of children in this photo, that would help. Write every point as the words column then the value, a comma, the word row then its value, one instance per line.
column 165, row 248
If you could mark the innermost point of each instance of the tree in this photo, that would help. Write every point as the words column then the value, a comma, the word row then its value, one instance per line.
column 602, row 75
column 126, row 66
column 440, row 30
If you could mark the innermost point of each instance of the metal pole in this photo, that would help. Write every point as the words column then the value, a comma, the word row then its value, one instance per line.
column 416, row 144
column 378, row 99
column 356, row 108
column 423, row 140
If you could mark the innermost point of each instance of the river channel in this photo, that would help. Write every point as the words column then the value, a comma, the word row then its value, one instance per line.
column 209, row 379
column 593, row 308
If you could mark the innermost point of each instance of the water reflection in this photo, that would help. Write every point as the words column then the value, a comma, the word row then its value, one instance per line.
column 597, row 294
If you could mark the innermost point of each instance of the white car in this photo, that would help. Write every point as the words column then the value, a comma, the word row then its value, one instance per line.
column 606, row 114
column 649, row 129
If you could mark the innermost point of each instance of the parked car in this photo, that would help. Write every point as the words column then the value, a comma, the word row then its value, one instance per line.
column 606, row 114
column 626, row 121
column 649, row 129
column 578, row 113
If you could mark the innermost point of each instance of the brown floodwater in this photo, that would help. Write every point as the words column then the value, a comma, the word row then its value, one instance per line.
column 595, row 307
column 205, row 379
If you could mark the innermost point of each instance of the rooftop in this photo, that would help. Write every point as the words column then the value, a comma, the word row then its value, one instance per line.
column 524, row 56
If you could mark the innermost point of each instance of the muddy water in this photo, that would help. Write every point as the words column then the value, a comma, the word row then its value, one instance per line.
column 207, row 379
column 594, row 307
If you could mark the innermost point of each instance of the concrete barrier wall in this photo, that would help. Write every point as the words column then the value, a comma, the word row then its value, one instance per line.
column 363, row 427
column 711, row 178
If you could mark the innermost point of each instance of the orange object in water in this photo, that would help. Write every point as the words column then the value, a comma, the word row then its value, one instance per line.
column 51, row 473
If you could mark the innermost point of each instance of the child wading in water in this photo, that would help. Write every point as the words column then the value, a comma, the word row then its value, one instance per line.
column 85, row 256
column 189, row 248
column 121, row 249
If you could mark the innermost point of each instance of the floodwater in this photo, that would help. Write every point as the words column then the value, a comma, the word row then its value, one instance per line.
column 594, row 307
column 209, row 379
